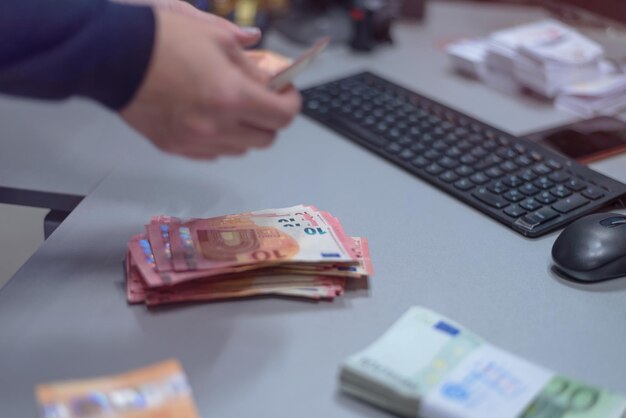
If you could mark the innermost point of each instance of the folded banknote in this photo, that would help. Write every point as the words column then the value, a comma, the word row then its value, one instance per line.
column 160, row 390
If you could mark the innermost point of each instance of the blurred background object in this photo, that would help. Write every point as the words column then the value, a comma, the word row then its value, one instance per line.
column 361, row 23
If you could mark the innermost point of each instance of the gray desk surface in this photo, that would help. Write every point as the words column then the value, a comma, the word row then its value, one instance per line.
column 65, row 147
column 64, row 314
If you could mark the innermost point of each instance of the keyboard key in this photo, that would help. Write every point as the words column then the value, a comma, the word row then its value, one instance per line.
column 593, row 193
column 536, row 218
column 523, row 161
column 559, row 176
column 404, row 141
column 475, row 139
column 479, row 178
column 506, row 153
column 543, row 183
column 513, row 196
column 494, row 172
column 497, row 187
column 528, row 175
column 489, row 198
column 554, row 165
column 420, row 162
column 439, row 145
column 487, row 162
column 464, row 184
column 536, row 156
column 490, row 145
column 449, row 176
column 560, row 191
column 569, row 204
column 545, row 197
column 464, row 171
column 542, row 169
column 393, row 134
column 509, row 166
column 454, row 152
column 432, row 154
column 530, row 204
column 434, row 169
column 407, row 154
column 576, row 185
column 529, row 189
column 512, row 181
column 451, row 139
column 448, row 162
column 418, row 147
column 464, row 145
column 504, row 141
column 514, row 211
column 479, row 152
column 468, row 159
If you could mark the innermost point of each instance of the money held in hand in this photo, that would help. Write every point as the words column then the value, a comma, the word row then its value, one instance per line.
column 297, row 252
column 160, row 390
column 429, row 366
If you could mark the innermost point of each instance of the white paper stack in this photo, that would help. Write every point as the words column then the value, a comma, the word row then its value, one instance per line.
column 468, row 57
column 542, row 56
column 603, row 96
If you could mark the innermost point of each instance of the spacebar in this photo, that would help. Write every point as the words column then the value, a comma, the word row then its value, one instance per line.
column 358, row 130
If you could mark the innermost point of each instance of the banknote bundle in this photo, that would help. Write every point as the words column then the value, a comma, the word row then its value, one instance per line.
column 160, row 390
column 298, row 251
column 544, row 56
column 429, row 366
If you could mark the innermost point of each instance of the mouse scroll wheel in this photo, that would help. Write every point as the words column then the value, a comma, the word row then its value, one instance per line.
column 613, row 222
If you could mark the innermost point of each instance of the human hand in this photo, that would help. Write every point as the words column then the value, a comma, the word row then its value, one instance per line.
column 246, row 36
column 202, row 97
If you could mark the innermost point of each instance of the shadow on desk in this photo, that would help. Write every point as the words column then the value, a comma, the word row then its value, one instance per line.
column 598, row 287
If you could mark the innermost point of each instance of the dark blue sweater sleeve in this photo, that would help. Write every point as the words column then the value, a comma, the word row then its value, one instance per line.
column 54, row 49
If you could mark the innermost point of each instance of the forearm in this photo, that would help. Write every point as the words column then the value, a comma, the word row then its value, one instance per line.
column 54, row 49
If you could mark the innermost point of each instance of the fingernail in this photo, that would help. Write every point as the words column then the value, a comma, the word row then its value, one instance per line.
column 251, row 30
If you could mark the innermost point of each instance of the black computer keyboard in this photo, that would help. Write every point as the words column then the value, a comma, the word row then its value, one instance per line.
column 527, row 187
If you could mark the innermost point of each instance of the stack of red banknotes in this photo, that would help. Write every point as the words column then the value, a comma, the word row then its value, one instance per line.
column 297, row 252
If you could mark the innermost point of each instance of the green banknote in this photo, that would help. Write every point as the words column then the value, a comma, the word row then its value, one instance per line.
column 566, row 398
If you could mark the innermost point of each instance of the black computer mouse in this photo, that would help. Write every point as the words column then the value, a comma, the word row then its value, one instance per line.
column 593, row 248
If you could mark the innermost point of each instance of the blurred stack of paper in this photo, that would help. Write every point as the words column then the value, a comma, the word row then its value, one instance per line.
column 542, row 56
column 469, row 56
column 603, row 96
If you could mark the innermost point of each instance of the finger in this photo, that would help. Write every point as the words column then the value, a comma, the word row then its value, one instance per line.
column 248, row 65
column 247, row 136
column 269, row 110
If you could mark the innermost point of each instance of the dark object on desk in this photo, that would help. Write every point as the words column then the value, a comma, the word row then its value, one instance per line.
column 526, row 187
column 311, row 20
column 371, row 23
column 413, row 9
column 593, row 248
column 586, row 141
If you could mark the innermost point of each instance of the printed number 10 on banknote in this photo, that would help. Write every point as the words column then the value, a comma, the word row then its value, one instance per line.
column 232, row 241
